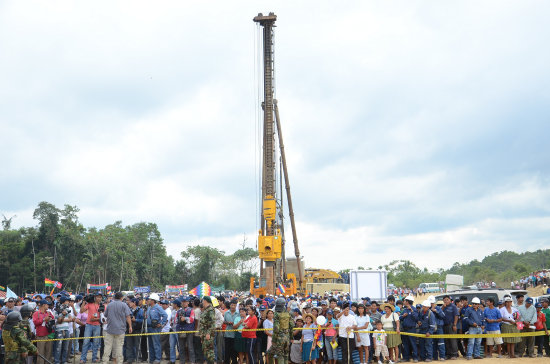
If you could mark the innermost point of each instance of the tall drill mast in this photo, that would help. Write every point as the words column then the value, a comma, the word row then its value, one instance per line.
column 269, row 238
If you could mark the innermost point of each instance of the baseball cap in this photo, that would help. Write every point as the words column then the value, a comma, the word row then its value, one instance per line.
column 529, row 300
column 43, row 302
column 538, row 305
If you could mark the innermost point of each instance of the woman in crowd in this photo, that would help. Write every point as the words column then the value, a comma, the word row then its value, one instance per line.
column 390, row 322
column 363, row 339
column 239, row 345
column 251, row 323
column 268, row 324
column 296, row 346
column 310, row 352
column 510, row 316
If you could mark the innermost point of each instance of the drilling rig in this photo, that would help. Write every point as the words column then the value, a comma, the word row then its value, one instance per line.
column 271, row 245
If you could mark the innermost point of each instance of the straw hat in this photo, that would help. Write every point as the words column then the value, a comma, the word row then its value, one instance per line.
column 384, row 305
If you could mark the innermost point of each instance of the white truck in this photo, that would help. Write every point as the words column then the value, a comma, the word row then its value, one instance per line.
column 368, row 283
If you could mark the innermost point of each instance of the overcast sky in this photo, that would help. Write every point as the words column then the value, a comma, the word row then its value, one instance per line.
column 413, row 129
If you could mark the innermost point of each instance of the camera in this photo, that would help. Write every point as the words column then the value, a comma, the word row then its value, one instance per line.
column 101, row 307
column 89, row 298
column 60, row 308
column 50, row 326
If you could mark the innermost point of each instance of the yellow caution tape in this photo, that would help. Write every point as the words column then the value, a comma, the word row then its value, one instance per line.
column 434, row 336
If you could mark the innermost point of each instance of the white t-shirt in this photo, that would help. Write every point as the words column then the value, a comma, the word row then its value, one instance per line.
column 345, row 322
column 508, row 315
column 379, row 337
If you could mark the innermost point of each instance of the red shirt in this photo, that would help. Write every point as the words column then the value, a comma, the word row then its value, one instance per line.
column 92, row 310
column 251, row 322
column 39, row 323
column 541, row 318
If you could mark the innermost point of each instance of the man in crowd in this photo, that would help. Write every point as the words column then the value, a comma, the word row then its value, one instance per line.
column 229, row 336
column 186, row 322
column 450, row 322
column 409, row 318
column 16, row 344
column 132, row 342
column 165, row 339
column 197, row 345
column 493, row 318
column 41, row 318
column 93, row 327
column 218, row 339
column 173, row 338
column 118, row 318
column 207, row 327
column 546, row 311
column 529, row 316
column 64, row 318
column 439, row 350
column 426, row 326
column 346, row 340
column 476, row 319
column 156, row 318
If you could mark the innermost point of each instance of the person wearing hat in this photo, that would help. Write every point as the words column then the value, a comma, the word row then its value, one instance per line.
column 476, row 319
column 426, row 326
column 165, row 339
column 155, row 319
column 16, row 343
column 40, row 320
column 296, row 343
column 92, row 329
column 390, row 322
column 510, row 316
column 207, row 327
column 132, row 342
column 408, row 319
column 528, row 315
column 439, row 344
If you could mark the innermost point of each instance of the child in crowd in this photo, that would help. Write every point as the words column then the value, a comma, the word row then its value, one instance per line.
column 380, row 347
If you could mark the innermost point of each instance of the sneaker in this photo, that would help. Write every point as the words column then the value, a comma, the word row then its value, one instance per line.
column 441, row 359
column 390, row 362
column 415, row 360
column 379, row 362
column 468, row 358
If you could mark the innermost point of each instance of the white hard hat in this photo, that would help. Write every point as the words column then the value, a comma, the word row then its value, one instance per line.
column 431, row 299
column 72, row 297
column 426, row 303
column 409, row 298
column 153, row 296
column 476, row 300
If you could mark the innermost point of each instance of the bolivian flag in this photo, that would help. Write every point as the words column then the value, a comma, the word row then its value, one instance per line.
column 49, row 282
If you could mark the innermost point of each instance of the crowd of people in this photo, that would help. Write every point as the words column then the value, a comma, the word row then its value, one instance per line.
column 239, row 329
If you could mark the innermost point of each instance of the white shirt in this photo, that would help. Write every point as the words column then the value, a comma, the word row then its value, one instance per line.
column 345, row 322
column 166, row 327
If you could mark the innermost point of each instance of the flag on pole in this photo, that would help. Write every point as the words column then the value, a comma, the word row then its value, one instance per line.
column 281, row 289
column 49, row 283
column 203, row 289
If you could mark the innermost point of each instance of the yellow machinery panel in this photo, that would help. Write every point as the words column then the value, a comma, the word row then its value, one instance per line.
column 269, row 247
column 270, row 209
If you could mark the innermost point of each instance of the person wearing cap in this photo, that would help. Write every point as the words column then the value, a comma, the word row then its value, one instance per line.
column 476, row 319
column 330, row 336
column 439, row 349
column 510, row 316
column 408, row 319
column 165, row 339
column 92, row 329
column 63, row 317
column 155, row 319
column 207, row 327
column 132, row 342
column 186, row 322
column 426, row 326
column 40, row 319
column 540, row 325
column 529, row 317
column 493, row 317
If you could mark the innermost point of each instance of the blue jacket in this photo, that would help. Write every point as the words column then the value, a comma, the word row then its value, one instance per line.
column 475, row 316
column 450, row 312
column 427, row 322
column 439, row 316
column 156, row 313
column 409, row 321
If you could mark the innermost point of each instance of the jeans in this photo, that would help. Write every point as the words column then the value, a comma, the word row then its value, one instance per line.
column 439, row 348
column 426, row 347
column 331, row 353
column 155, row 351
column 409, row 345
column 473, row 343
column 173, row 346
column 91, row 330
column 186, row 342
column 62, row 348
column 132, row 343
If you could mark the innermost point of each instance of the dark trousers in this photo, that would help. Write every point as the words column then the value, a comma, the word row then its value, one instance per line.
column 542, row 342
column 144, row 352
column 409, row 345
column 230, row 353
column 426, row 347
column 526, row 343
column 451, row 346
column 131, row 345
column 343, row 343
column 197, row 348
